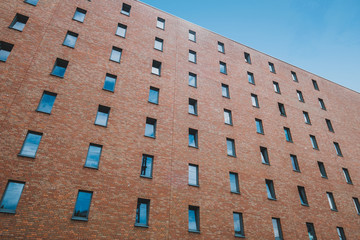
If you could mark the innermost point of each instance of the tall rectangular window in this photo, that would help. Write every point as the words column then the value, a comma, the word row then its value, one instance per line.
column 193, row 138
column 282, row 109
column 223, row 67
column 150, row 127
column 115, row 54
column 192, row 56
column 300, row 96
column 238, row 224
column 154, row 95
column 5, row 49
column 121, row 30
column 357, row 205
column 271, row 67
column 294, row 163
column 230, row 144
column 316, row 87
column 109, row 83
column 288, row 134
column 329, row 125
column 11, row 196
column 194, row 219
column 276, row 87
column 126, row 9
column 70, row 39
column 337, row 149
column 19, row 22
column 254, row 100
column 192, row 106
column 251, row 78
column 102, row 116
column 159, row 44
column 247, row 57
column 227, row 117
column 46, row 102
column 341, row 233
column 192, row 80
column 294, row 77
column 79, row 15
column 306, row 117
column 270, row 189
column 160, row 23
column 221, row 47
column 302, row 194
column 322, row 104
column 277, row 229
column 264, row 155
column 82, row 206
column 142, row 212
column 147, row 166
column 314, row 142
column 322, row 169
column 259, row 126
column 156, row 68
column 59, row 67
column 234, row 183
column 32, row 2
column 193, row 175
column 93, row 156
column 331, row 200
column 347, row 175
column 311, row 231
column 192, row 36
column 225, row 90
column 31, row 144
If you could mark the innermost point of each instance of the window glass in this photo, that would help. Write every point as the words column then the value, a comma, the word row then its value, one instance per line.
column 121, row 30
column 31, row 144
column 19, row 22
column 11, row 196
column 79, row 15
column 146, row 166
column 154, row 95
column 46, row 102
column 82, row 206
column 116, row 54
column 93, row 156
column 110, row 81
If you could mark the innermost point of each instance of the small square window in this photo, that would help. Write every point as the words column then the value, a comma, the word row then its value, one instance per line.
column 341, row 233
column 5, row 49
column 156, row 68
column 147, row 166
column 331, row 200
column 247, row 57
column 254, row 100
column 270, row 189
column 276, row 87
column 357, row 205
column 271, row 67
column 93, row 156
column 142, row 213
column 306, row 117
column 264, row 155
column 160, row 23
column 322, row 170
column 314, row 142
column 70, row 39
column 19, row 22
column 192, row 56
column 192, row 36
column 322, row 104
column 311, row 231
column 159, row 44
column 192, row 79
column 194, row 219
column 337, row 148
column 193, row 175
column 115, row 54
column 282, row 109
column 288, row 134
column 46, row 102
column 31, row 144
column 150, row 127
column 79, row 15
column 295, row 163
column 251, row 78
column 32, row 2
column 11, row 196
column 302, row 195
column 110, row 81
column 193, row 138
column 234, row 183
column 277, row 229
column 121, row 30
column 329, row 125
column 154, row 95
column 230, row 144
column 225, row 90
column 316, row 87
column 347, row 176
column 126, row 9
column 82, row 206
column 221, row 47
column 223, row 68
column 192, row 106
column 294, row 77
column 238, row 224
column 59, row 67
column 102, row 116
column 259, row 126
column 227, row 117
column 300, row 96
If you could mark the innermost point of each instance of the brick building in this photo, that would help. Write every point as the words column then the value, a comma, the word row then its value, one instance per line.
column 120, row 121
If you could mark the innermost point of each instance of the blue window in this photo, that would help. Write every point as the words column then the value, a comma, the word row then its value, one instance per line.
column 102, row 116
column 282, row 109
column 225, row 90
column 311, row 231
column 295, row 163
column 192, row 56
column 5, row 49
column 270, row 189
column 314, row 142
column 110, row 81
column 221, row 47
column 264, row 155
column 11, row 196
column 192, row 79
column 194, row 219
column 19, row 22
column 302, row 195
column 259, row 126
column 142, row 213
column 287, row 134
column 223, row 68
column 93, row 156
column 234, row 183
column 116, row 54
column 32, row 2
column 150, row 127
column 337, row 148
column 154, row 95
column 238, row 224
column 277, row 229
column 147, row 166
column 251, row 78
column 82, row 206
column 46, row 102
column 230, row 144
column 70, row 39
column 30, row 144
column 79, row 15
column 193, row 138
column 59, row 67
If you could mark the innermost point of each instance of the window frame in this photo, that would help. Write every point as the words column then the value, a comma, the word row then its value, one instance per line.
column 311, row 230
column 6, row 48
column 159, row 41
column 62, row 64
column 316, row 86
column 125, row 9
column 251, row 78
column 73, row 34
column 300, row 96
column 112, row 55
column 276, row 87
column 157, row 90
column 341, row 233
column 278, row 228
column 196, row 167
column 194, row 76
column 288, row 136
column 232, row 142
column 196, row 210
column 322, row 170
column 24, row 142
column 144, row 166
column 259, row 126
column 331, row 200
column 322, row 104
column 295, row 163
column 192, row 56
column 302, row 195
column 110, row 76
column 223, row 66
column 247, row 57
column 153, row 122
column 192, row 36
column 264, row 156
column 272, row 67
column 82, row 11
column 236, row 183
column 6, row 210
column 294, row 76
column 357, row 205
column 19, row 18
column 282, row 111
column 227, row 90
column 193, row 103
column 227, row 111
column 306, row 118
column 87, row 156
column 103, row 109
column 162, row 22
column 329, row 125
column 156, row 65
column 41, row 99
column 270, row 189
column 221, row 47
column 240, row 233
column 194, row 133
column 138, row 212
column 77, row 218
column 254, row 99
column 31, row 2
column 123, row 27
column 347, row 176
column 338, row 149
column 314, row 143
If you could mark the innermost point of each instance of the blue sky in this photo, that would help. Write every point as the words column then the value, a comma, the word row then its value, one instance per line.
column 320, row 36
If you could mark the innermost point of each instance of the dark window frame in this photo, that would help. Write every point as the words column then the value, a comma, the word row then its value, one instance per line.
column 62, row 64
column 227, row 90
column 247, row 57
column 73, row 34
column 331, row 200
column 314, row 143
column 347, row 176
column 311, row 230
column 125, row 9
column 138, row 212
column 306, row 117
column 144, row 166
column 193, row 103
column 194, row 133
column 251, row 78
column 86, row 218
column 237, row 187
column 240, row 233
column 232, row 142
column 322, row 169
column 276, row 87
column 288, row 136
column 300, row 96
column 99, row 157
column 294, row 76
column 278, row 225
column 316, row 86
column 192, row 36
column 5, row 47
column 194, row 76
column 230, row 117
column 19, row 18
column 223, row 65
column 121, row 26
column 82, row 11
column 41, row 99
column 34, row 133
column 162, row 21
column 196, row 210
column 270, row 189
column 282, row 111
column 221, row 47
column 158, row 95
column 161, row 42
column 12, row 211
column 256, row 100
column 264, row 155
column 259, row 126
column 115, row 49
column 103, row 109
column 338, row 149
column 272, row 67
column 153, row 122
column 156, row 65
column 329, row 125
column 295, row 163
column 302, row 195
column 111, row 76
column 192, row 54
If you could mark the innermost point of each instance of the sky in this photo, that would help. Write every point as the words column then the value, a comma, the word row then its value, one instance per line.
column 319, row 36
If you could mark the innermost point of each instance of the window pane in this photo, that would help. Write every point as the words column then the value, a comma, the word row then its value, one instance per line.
column 193, row 175
column 154, row 95
column 192, row 79
column 277, row 229
column 115, row 55
column 193, row 218
column 82, row 206
column 70, row 39
column 146, row 167
column 101, row 118
column 192, row 141
column 79, row 15
column 230, row 147
column 227, row 116
column 31, row 144
column 121, row 30
column 234, row 182
column 149, row 130
column 11, row 196
column 142, row 212
column 93, row 156
column 46, row 102
column 109, row 83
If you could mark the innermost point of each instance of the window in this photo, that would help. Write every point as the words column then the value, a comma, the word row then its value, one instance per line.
column 156, row 68
column 193, row 175
column 247, row 57
column 5, row 49
column 264, row 155
column 314, row 142
column 300, row 96
column 110, row 81
column 282, row 109
column 150, row 127
column 329, row 125
column 238, row 224
column 306, row 117
column 316, row 87
column 347, row 175
column 121, row 30
column 160, row 23
column 126, row 9
column 194, row 219
column 31, row 144
column 288, row 134
column 192, row 56
column 230, row 144
column 192, row 36
column 322, row 169
column 271, row 67
column 59, row 68
column 337, row 148
column 32, row 2
column 295, row 163
column 234, row 183
column 154, row 95
column 93, row 156
column 192, row 80
column 331, row 200
column 79, row 15
column 311, row 231
column 341, row 233
column 102, row 116
column 251, row 78
column 277, row 229
column 46, row 102
column 192, row 106
column 322, row 104
column 147, row 166
column 276, row 87
column 294, row 77
column 142, row 213
column 357, row 205
column 254, row 100
column 159, row 44
column 227, row 117
column 221, row 47
column 223, row 68
column 302, row 194
column 193, row 138
column 115, row 54
column 225, row 90
column 270, row 189
column 19, row 22
column 70, row 39
column 82, row 206
column 259, row 126
column 11, row 196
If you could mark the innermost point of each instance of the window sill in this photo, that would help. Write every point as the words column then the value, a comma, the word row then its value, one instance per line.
column 305, row 205
column 194, row 231
column 192, row 62
column 339, row 155
column 192, row 41
column 324, row 177
column 260, row 133
column 223, row 73
column 334, row 210
column 30, row 3
column 119, row 35
column 153, row 103
column 150, row 137
column 94, row 168
column 125, row 13
column 289, row 141
column 350, row 183
column 234, row 156
column 193, row 114
column 155, row 74
column 20, row 155
column 15, row 29
column 56, row 75
column 230, row 124
column 160, row 28
column 142, row 176
column 226, row 97
column 297, row 171
column 239, row 235
column 272, row 199
column 9, row 211
column 160, row 50
column 316, row 149
column 114, row 61
column 268, row 164
column 107, row 90
column 69, row 46
column 141, row 225
column 308, row 123
column 252, row 83
column 42, row 112
column 192, row 86
column 283, row 115
column 196, row 147
column 193, row 185
column 105, row 126
column 78, row 20
column 256, row 106
column 80, row 219
column 238, row 193
column 278, row 93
